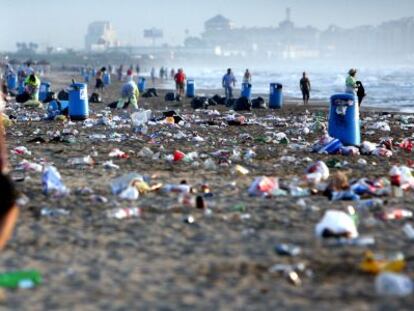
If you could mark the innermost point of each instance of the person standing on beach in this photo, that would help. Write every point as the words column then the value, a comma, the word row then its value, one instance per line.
column 305, row 87
column 228, row 82
column 172, row 74
column 247, row 78
column 351, row 85
column 153, row 76
column 130, row 74
column 179, row 79
column 120, row 72
column 99, row 78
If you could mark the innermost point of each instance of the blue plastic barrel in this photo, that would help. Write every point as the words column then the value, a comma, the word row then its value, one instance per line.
column 107, row 78
column 141, row 84
column 246, row 90
column 44, row 90
column 190, row 88
column 78, row 102
column 276, row 96
column 12, row 81
column 344, row 119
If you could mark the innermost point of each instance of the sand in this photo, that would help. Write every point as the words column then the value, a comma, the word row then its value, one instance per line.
column 222, row 260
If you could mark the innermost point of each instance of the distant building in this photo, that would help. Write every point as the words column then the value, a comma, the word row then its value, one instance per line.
column 100, row 36
column 288, row 41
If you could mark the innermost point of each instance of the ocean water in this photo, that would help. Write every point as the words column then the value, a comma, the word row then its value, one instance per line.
column 391, row 87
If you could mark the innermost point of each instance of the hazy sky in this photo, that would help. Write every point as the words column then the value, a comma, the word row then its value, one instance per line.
column 64, row 23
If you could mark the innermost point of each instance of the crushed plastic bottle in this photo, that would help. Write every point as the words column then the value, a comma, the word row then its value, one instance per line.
column 52, row 182
column 86, row 160
column 287, row 249
column 180, row 188
column 396, row 214
column 317, row 172
column 121, row 183
column 54, row 212
column 131, row 193
column 393, row 284
column 122, row 213
column 408, row 229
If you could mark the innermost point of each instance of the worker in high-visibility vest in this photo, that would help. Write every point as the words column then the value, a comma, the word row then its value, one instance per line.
column 32, row 86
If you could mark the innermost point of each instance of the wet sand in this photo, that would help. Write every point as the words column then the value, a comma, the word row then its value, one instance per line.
column 222, row 260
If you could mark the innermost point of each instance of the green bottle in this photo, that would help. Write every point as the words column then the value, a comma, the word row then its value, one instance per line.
column 22, row 279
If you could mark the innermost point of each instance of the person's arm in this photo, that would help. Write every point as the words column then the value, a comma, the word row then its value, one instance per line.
column 309, row 85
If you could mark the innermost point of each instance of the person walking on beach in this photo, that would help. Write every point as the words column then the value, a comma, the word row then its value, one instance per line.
column 153, row 76
column 99, row 78
column 130, row 74
column 179, row 79
column 305, row 87
column 247, row 78
column 172, row 74
column 228, row 82
column 360, row 92
column 120, row 72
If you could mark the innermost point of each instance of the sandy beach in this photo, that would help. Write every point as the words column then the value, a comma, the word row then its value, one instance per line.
column 221, row 261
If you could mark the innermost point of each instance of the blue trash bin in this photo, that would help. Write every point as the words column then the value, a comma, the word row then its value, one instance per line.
column 344, row 119
column 190, row 88
column 44, row 90
column 141, row 84
column 78, row 102
column 107, row 78
column 276, row 96
column 12, row 81
column 246, row 90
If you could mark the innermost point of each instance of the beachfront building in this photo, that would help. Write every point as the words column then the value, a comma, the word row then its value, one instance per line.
column 221, row 37
column 100, row 36
column 288, row 41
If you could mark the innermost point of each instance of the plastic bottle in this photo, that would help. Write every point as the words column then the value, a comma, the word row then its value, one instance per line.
column 181, row 188
column 393, row 284
column 53, row 212
column 122, row 213
column 409, row 231
column 396, row 214
column 370, row 204
column 22, row 279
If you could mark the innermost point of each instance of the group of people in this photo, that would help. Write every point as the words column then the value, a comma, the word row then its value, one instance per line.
column 28, row 79
column 351, row 85
column 130, row 93
column 164, row 74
